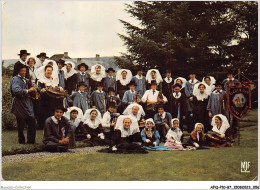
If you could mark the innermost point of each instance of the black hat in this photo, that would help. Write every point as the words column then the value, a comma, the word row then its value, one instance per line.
column 60, row 108
column 168, row 71
column 153, row 82
column 111, row 89
column 61, row 61
column 43, row 54
column 21, row 66
column 81, row 84
column 100, row 84
column 23, row 51
column 84, row 65
column 132, row 83
column 176, row 85
column 192, row 72
column 112, row 104
column 160, row 106
column 218, row 83
column 110, row 69
column 139, row 68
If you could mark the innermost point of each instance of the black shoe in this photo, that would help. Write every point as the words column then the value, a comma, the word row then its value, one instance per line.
column 30, row 142
column 21, row 142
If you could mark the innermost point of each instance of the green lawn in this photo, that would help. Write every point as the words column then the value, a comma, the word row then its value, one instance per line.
column 216, row 164
column 10, row 143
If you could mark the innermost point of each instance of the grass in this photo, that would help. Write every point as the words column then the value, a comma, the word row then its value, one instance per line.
column 215, row 164
column 10, row 143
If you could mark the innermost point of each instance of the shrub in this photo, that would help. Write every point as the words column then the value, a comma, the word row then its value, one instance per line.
column 8, row 118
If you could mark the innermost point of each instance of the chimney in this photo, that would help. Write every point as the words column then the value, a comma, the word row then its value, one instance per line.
column 97, row 57
column 78, row 61
column 66, row 54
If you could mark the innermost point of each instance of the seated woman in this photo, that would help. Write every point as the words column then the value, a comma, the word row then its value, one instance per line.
column 126, row 132
column 197, row 137
column 174, row 136
column 74, row 114
column 92, row 128
column 219, row 136
column 136, row 110
column 150, row 136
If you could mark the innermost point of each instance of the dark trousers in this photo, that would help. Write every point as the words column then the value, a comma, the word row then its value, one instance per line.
column 31, row 129
column 55, row 147
column 162, row 131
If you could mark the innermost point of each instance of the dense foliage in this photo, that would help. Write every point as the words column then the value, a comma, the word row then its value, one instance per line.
column 203, row 36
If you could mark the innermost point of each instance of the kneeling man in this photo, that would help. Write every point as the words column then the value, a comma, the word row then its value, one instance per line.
column 58, row 132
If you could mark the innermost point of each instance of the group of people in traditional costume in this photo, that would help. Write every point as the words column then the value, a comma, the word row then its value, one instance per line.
column 117, row 109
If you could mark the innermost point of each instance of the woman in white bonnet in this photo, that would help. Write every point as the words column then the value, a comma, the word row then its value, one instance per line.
column 174, row 136
column 126, row 133
column 220, row 134
column 123, row 78
column 200, row 102
column 97, row 75
column 92, row 128
column 150, row 136
column 197, row 137
column 154, row 75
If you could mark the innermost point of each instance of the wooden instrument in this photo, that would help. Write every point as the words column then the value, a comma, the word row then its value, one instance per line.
column 33, row 95
column 138, row 99
column 56, row 92
column 114, row 117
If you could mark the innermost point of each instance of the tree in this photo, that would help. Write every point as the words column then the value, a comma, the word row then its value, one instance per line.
column 203, row 36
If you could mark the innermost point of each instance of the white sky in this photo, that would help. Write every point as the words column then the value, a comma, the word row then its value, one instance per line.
column 81, row 28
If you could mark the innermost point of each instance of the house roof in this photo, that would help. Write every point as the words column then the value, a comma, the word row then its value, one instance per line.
column 57, row 57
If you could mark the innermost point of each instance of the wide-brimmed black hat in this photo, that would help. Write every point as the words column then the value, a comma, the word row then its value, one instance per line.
column 168, row 71
column 112, row 104
column 23, row 51
column 61, row 61
column 110, row 69
column 218, row 83
column 153, row 82
column 111, row 89
column 192, row 72
column 176, row 85
column 139, row 68
column 21, row 66
column 84, row 65
column 81, row 84
column 100, row 84
column 132, row 83
column 59, row 107
column 42, row 54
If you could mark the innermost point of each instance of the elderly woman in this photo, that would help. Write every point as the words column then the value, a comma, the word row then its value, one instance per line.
column 70, row 75
column 97, row 76
column 126, row 132
column 150, row 136
column 92, row 128
column 135, row 110
column 219, row 136
column 47, row 103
